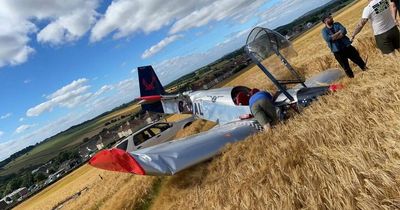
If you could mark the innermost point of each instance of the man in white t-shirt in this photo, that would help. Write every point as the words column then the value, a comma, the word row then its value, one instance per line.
column 387, row 35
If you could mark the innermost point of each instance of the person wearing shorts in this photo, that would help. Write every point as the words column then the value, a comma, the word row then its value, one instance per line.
column 386, row 32
column 263, row 109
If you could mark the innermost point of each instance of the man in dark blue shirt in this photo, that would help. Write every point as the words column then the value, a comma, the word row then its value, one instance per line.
column 335, row 36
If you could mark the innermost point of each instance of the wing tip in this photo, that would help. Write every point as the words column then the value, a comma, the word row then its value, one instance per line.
column 116, row 160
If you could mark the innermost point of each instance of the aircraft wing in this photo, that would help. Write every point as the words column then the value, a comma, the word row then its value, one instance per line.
column 324, row 78
column 174, row 156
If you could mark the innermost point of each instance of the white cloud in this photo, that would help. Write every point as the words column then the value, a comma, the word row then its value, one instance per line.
column 34, row 136
column 70, row 27
column 76, row 84
column 77, row 93
column 68, row 96
column 127, row 86
column 125, row 17
column 27, row 81
column 1, row 133
column 127, row 90
column 173, row 68
column 6, row 116
column 218, row 10
column 287, row 11
column 67, row 21
column 21, row 119
column 23, row 128
column 57, row 21
column 14, row 40
column 104, row 89
column 122, row 18
column 161, row 45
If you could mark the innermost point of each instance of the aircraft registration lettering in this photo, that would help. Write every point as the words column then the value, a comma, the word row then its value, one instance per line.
column 214, row 98
column 198, row 109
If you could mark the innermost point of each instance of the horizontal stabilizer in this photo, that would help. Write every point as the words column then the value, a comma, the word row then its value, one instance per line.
column 149, row 99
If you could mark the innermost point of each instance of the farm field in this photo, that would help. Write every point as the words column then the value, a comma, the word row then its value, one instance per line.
column 341, row 153
column 105, row 189
column 64, row 141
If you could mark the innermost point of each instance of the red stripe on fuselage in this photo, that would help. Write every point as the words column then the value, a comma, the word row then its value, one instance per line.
column 150, row 98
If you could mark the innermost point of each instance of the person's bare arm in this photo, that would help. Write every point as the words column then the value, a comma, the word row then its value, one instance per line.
column 393, row 9
column 359, row 27
column 337, row 35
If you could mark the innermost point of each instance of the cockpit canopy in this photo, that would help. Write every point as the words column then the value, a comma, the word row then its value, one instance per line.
column 271, row 52
column 263, row 43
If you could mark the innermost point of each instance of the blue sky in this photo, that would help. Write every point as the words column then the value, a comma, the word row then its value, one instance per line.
column 64, row 62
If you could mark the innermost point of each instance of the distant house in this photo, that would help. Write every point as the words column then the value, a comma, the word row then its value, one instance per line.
column 16, row 195
column 153, row 118
column 131, row 126
column 3, row 204
column 100, row 145
column 125, row 130
column 67, row 165
column 88, row 147
column 106, row 134
column 41, row 169
column 53, row 177
column 64, row 168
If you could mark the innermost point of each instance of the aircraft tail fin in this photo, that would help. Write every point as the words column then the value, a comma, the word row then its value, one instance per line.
column 150, row 85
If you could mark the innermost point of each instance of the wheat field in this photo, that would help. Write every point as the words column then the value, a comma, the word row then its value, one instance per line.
column 342, row 152
column 106, row 190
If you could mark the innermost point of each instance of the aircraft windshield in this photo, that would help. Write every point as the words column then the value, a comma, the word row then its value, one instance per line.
column 270, row 51
column 123, row 145
column 142, row 137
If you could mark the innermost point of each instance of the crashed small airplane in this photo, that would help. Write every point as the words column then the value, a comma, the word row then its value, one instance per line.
column 153, row 134
column 222, row 105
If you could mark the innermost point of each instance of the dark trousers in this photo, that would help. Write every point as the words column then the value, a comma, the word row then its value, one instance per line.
column 264, row 112
column 351, row 53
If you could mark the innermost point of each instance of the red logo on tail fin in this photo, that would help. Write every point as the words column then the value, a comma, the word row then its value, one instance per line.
column 150, row 86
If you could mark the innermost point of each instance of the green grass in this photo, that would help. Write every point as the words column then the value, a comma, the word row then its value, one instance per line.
column 148, row 199
column 67, row 140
